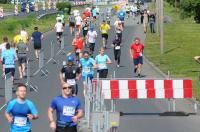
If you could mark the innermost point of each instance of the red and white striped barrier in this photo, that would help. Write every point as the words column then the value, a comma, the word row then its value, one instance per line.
column 146, row 89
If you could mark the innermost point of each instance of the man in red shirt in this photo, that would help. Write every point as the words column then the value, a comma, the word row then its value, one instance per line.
column 136, row 52
column 78, row 44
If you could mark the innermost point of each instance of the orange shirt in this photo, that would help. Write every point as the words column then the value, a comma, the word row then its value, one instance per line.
column 79, row 43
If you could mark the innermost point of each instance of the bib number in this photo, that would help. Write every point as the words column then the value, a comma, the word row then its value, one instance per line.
column 140, row 54
column 20, row 121
column 71, row 81
column 78, row 51
column 68, row 111
column 86, row 70
column 117, row 47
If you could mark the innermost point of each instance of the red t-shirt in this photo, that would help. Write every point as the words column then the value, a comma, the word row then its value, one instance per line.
column 138, row 49
column 87, row 14
column 79, row 43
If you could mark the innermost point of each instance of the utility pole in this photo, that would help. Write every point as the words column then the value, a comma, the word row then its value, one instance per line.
column 161, row 27
column 157, row 17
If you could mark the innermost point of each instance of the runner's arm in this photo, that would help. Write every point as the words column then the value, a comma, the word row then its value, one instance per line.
column 51, row 119
column 62, row 81
column 8, row 117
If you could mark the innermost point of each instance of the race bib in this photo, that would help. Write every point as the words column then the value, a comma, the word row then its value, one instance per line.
column 85, row 28
column 101, row 66
column 68, row 111
column 118, row 31
column 86, row 69
column 117, row 47
column 140, row 54
column 78, row 50
column 71, row 81
column 20, row 121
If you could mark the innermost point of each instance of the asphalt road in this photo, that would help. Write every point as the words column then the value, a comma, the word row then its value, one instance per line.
column 140, row 115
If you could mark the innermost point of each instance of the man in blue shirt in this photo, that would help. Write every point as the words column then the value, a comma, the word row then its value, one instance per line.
column 68, row 111
column 88, row 65
column 8, row 58
column 20, row 111
column 121, row 15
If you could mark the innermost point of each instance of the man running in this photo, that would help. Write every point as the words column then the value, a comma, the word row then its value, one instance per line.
column 117, row 50
column 68, row 111
column 22, row 55
column 91, row 39
column 59, row 31
column 37, row 41
column 121, row 16
column 85, row 29
column 70, row 74
column 118, row 28
column 102, row 60
column 78, row 44
column 87, row 64
column 78, row 23
column 136, row 52
column 20, row 111
column 72, row 24
column 104, row 28
column 8, row 58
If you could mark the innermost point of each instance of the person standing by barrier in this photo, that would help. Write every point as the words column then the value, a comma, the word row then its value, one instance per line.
column 59, row 31
column 78, row 44
column 2, row 48
column 22, row 49
column 145, row 21
column 88, row 65
column 37, row 41
column 136, row 52
column 72, row 24
column 102, row 60
column 70, row 74
column 91, row 39
column 117, row 49
column 20, row 111
column 152, row 21
column 104, row 28
column 9, row 57
column 68, row 111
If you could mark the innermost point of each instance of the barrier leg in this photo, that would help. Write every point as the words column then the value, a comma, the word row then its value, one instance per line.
column 169, row 105
column 195, row 107
column 113, row 105
column 62, row 47
column 52, row 54
column 174, row 105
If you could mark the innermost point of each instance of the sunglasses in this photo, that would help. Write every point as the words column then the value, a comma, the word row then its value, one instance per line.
column 67, row 88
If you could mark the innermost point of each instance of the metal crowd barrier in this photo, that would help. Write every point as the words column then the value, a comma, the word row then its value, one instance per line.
column 52, row 55
column 62, row 46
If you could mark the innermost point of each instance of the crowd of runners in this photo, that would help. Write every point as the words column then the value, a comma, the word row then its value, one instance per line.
column 85, row 29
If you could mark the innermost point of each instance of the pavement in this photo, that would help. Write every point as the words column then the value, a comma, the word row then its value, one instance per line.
column 139, row 115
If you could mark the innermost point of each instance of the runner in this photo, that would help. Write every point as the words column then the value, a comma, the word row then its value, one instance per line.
column 37, row 41
column 70, row 74
column 78, row 23
column 17, row 37
column 2, row 48
column 22, row 54
column 24, row 34
column 117, row 49
column 78, row 44
column 8, row 58
column 85, row 29
column 128, row 9
column 59, row 31
column 72, row 24
column 104, row 28
column 94, row 13
column 68, row 111
column 88, row 65
column 76, row 13
column 63, row 19
column 21, row 111
column 91, row 39
column 118, row 29
column 121, row 16
column 102, row 60
column 145, row 21
column 136, row 52
column 98, row 10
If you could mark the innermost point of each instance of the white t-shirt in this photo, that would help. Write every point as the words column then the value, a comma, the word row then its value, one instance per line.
column 24, row 34
column 78, row 20
column 59, row 27
column 92, row 36
column 117, row 22
column 3, row 46
column 76, row 13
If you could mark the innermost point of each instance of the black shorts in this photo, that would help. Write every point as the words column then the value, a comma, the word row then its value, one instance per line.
column 66, row 129
column 127, row 12
column 59, row 34
column 91, row 46
column 74, row 89
column 37, row 46
column 71, row 24
column 8, row 70
column 137, row 61
column 105, row 36
column 85, row 32
column 103, row 73
column 63, row 24
column 21, row 59
column 95, row 17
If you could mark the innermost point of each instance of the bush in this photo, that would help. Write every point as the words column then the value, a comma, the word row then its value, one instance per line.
column 64, row 6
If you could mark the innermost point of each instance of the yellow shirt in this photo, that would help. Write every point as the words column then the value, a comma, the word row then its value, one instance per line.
column 104, row 28
column 17, row 38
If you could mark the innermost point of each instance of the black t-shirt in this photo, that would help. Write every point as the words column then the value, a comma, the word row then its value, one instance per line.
column 70, row 71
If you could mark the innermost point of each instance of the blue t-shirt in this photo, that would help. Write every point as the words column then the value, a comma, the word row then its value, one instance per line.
column 87, row 66
column 37, row 37
column 9, row 57
column 121, row 15
column 65, row 108
column 94, row 12
column 101, row 61
column 19, row 111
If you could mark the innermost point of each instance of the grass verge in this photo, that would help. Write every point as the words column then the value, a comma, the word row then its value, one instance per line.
column 181, row 44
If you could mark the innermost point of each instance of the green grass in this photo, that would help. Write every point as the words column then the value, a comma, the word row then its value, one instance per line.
column 181, row 44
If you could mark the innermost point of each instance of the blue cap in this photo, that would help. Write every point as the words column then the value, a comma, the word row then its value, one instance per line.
column 70, row 58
